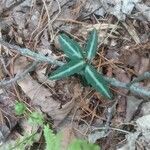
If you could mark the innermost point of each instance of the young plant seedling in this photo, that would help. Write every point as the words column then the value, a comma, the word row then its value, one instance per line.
column 80, row 62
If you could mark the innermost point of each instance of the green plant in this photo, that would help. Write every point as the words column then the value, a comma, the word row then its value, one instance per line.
column 53, row 142
column 23, row 142
column 20, row 108
column 80, row 62
column 36, row 118
column 82, row 145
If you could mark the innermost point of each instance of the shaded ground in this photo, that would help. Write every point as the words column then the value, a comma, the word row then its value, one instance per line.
column 70, row 105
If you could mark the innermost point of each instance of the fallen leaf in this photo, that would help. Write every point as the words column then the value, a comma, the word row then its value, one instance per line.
column 143, row 123
column 144, row 10
column 144, row 65
column 42, row 78
column 145, row 109
column 119, row 8
column 132, row 106
column 41, row 96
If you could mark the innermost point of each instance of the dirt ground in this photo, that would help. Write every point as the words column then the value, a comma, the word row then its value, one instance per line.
column 30, row 52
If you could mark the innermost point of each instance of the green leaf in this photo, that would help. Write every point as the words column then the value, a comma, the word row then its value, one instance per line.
column 50, row 137
column 74, row 66
column 36, row 118
column 20, row 108
column 53, row 142
column 70, row 47
column 78, row 144
column 97, row 81
column 91, row 46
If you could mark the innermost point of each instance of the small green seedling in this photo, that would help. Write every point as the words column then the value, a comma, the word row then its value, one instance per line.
column 36, row 118
column 80, row 62
column 54, row 142
column 20, row 108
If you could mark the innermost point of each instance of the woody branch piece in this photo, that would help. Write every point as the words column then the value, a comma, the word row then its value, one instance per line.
column 19, row 76
column 144, row 76
column 134, row 88
column 29, row 53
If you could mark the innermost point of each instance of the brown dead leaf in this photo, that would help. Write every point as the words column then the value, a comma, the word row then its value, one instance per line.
column 144, row 65
column 131, row 59
column 42, row 78
column 121, row 75
column 42, row 96
column 132, row 106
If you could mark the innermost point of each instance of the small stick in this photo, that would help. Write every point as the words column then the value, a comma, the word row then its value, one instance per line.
column 51, row 60
column 29, row 53
column 19, row 76
column 144, row 76
column 133, row 88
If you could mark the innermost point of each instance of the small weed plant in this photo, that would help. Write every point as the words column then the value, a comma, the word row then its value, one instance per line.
column 52, row 141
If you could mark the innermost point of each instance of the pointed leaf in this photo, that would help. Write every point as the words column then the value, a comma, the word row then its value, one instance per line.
column 74, row 66
column 97, row 81
column 70, row 47
column 91, row 46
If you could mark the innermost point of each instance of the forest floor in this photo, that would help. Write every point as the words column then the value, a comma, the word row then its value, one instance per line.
column 30, row 52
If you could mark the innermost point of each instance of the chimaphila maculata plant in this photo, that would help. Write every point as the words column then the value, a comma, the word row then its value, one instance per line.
column 81, row 62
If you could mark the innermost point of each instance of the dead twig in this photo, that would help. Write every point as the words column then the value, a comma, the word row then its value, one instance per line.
column 19, row 76
column 144, row 76
column 110, row 112
column 29, row 53
column 111, row 128
column 134, row 88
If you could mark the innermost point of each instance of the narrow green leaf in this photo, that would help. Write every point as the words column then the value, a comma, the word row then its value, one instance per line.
column 91, row 46
column 74, row 66
column 97, row 81
column 70, row 47
column 50, row 137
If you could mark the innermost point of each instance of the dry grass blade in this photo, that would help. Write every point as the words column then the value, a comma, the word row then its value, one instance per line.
column 130, row 28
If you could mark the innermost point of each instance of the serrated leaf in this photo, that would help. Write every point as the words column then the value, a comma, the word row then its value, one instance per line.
column 36, row 118
column 20, row 108
column 50, row 137
column 70, row 47
column 97, row 81
column 91, row 46
column 74, row 66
